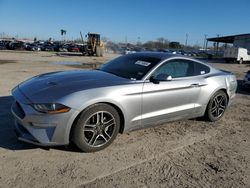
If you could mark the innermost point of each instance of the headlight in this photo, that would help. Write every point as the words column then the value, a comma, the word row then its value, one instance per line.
column 51, row 108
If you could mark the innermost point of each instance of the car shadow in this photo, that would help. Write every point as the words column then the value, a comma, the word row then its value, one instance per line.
column 8, row 138
column 241, row 89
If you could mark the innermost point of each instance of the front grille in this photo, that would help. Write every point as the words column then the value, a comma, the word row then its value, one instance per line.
column 17, row 108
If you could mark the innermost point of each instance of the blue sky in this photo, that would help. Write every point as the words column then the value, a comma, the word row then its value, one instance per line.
column 118, row 19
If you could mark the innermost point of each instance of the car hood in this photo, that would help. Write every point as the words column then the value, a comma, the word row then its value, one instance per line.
column 52, row 86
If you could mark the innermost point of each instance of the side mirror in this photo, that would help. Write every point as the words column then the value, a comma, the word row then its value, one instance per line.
column 160, row 77
column 153, row 80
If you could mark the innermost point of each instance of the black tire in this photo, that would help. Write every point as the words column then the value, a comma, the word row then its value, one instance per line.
column 217, row 106
column 91, row 133
column 101, row 54
column 241, row 61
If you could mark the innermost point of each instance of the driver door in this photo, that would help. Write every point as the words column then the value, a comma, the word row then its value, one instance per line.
column 173, row 99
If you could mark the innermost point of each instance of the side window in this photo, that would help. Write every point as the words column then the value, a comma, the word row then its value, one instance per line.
column 200, row 69
column 176, row 68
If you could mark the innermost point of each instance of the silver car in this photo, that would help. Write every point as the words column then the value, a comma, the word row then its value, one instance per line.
column 90, row 107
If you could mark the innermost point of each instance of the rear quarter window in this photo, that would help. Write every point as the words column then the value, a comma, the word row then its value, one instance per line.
column 200, row 69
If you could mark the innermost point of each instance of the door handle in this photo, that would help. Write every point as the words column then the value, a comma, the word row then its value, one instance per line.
column 195, row 85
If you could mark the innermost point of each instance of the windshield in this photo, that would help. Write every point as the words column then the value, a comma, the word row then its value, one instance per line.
column 133, row 67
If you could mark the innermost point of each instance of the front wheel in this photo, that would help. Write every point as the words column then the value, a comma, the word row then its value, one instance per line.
column 217, row 106
column 96, row 128
column 98, row 51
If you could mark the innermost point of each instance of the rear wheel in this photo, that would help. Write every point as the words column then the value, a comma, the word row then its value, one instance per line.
column 101, row 54
column 217, row 106
column 98, row 51
column 241, row 61
column 96, row 128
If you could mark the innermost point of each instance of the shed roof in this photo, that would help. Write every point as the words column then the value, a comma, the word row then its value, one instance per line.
column 227, row 39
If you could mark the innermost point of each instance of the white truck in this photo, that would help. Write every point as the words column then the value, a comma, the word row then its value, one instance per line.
column 237, row 54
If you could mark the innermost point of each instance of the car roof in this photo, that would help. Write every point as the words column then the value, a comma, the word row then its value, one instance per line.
column 163, row 56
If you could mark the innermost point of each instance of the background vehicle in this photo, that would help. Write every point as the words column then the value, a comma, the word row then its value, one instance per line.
column 94, row 46
column 237, row 54
column 2, row 46
column 89, row 108
column 73, row 48
column 129, row 52
column 47, row 47
column 16, row 45
column 62, row 47
column 32, row 47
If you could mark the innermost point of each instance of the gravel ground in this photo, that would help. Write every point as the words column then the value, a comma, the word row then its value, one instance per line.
column 189, row 153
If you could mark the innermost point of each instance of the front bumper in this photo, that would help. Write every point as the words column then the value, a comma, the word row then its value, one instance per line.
column 38, row 128
column 24, row 135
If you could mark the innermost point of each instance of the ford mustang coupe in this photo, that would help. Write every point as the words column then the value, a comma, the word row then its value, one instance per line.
column 90, row 107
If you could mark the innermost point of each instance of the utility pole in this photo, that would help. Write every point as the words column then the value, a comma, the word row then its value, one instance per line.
column 138, row 40
column 205, row 44
column 186, row 40
column 217, row 44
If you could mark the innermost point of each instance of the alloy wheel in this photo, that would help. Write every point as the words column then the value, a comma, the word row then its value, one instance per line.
column 99, row 128
column 218, row 106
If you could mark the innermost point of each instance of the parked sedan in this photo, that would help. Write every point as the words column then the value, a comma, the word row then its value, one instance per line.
column 2, row 46
column 90, row 107
column 32, row 47
column 73, row 48
column 47, row 47
column 16, row 45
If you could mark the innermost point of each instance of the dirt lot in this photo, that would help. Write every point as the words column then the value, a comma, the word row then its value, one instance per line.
column 191, row 153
